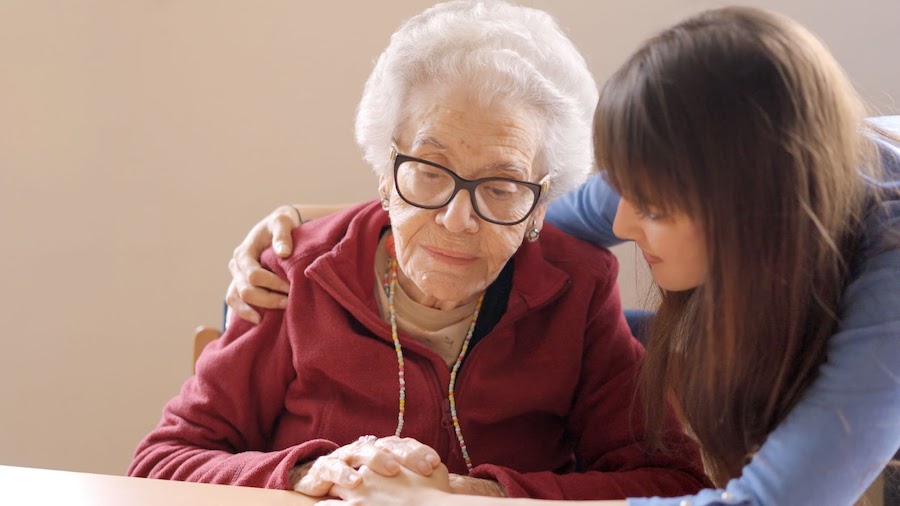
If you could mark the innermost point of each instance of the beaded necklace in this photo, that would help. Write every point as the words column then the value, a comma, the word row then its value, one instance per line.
column 390, row 286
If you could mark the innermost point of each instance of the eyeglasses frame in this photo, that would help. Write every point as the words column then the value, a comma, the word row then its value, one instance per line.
column 461, row 183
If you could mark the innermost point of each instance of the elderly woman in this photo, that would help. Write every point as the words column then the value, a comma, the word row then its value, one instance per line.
column 445, row 317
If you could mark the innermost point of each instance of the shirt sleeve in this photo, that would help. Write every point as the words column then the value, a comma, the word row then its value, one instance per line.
column 846, row 427
column 587, row 212
column 609, row 435
column 217, row 429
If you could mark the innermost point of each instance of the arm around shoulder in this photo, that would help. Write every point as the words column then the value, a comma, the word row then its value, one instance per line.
column 587, row 212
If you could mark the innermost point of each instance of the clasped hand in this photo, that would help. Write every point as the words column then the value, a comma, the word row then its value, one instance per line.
column 384, row 456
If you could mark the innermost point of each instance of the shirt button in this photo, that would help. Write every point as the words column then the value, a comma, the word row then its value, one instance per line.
column 684, row 502
column 726, row 496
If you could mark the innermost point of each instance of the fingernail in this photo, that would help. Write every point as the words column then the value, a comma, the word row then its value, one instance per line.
column 433, row 459
column 392, row 467
column 282, row 303
column 425, row 467
column 281, row 248
column 353, row 479
column 255, row 319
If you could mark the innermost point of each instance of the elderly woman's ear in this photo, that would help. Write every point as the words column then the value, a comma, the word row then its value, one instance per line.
column 535, row 223
column 384, row 191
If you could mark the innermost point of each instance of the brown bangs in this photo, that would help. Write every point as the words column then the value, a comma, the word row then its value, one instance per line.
column 636, row 146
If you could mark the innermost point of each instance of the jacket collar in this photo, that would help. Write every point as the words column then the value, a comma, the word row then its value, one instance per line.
column 346, row 272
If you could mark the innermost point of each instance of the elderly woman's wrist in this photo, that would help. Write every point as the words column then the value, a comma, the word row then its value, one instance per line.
column 492, row 488
column 466, row 485
column 298, row 472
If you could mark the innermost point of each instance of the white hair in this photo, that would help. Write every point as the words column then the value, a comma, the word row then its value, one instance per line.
column 499, row 50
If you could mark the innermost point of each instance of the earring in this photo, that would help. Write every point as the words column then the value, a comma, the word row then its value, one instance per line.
column 532, row 234
column 385, row 202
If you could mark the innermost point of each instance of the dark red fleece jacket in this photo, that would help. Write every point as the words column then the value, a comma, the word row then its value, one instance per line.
column 554, row 379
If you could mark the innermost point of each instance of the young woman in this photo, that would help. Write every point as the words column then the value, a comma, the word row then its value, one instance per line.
column 761, row 201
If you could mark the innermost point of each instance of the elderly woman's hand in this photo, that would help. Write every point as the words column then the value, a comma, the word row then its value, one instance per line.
column 385, row 456
column 404, row 489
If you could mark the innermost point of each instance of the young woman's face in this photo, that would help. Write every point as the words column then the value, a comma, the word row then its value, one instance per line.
column 673, row 245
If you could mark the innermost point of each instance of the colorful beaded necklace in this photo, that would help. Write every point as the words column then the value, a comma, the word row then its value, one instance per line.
column 390, row 286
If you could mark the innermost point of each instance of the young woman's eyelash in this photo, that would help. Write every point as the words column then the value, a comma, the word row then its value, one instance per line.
column 643, row 212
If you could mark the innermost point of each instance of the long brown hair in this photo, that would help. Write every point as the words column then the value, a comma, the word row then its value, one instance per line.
column 743, row 120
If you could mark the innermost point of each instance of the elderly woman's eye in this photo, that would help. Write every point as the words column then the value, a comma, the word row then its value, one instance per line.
column 426, row 172
column 500, row 190
column 422, row 177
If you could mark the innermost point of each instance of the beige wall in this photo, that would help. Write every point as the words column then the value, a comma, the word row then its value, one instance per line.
column 140, row 139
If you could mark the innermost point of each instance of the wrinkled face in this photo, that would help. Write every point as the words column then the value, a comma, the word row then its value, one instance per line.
column 448, row 256
column 673, row 245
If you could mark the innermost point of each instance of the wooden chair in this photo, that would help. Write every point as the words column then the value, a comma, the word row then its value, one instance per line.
column 203, row 336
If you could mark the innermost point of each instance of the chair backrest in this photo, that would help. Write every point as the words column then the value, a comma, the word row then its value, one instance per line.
column 202, row 337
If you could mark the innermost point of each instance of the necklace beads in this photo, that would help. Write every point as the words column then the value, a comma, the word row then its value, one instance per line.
column 390, row 283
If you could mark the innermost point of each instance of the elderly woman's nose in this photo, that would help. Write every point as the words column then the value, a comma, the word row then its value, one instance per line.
column 459, row 216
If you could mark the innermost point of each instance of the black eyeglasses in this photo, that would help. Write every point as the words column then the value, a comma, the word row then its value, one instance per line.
column 498, row 200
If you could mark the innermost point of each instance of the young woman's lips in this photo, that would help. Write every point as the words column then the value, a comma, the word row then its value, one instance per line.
column 650, row 258
column 450, row 257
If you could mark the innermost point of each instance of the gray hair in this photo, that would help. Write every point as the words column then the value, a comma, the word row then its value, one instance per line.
column 500, row 50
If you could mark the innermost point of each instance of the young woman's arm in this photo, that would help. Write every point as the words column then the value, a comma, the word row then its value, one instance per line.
column 586, row 212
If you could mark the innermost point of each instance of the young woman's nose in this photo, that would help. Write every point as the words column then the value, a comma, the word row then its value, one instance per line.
column 626, row 225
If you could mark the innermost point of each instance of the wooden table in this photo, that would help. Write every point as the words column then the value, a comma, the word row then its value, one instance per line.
column 22, row 486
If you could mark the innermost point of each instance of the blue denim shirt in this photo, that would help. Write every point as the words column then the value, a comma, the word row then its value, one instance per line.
column 837, row 439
